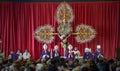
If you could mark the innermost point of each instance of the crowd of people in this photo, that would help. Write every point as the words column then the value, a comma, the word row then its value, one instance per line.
column 71, row 61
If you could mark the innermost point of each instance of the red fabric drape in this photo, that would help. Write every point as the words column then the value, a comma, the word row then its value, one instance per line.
column 19, row 20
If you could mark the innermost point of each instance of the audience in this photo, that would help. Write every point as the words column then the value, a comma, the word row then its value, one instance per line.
column 61, row 65
column 15, row 62
column 2, row 56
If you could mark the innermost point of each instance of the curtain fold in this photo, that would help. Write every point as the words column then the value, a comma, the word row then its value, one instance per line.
column 18, row 22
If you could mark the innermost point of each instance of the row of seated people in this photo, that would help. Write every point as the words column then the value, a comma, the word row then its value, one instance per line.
column 15, row 56
column 70, row 54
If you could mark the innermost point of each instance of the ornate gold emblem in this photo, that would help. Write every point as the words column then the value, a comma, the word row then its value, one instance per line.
column 84, row 33
column 64, row 16
column 64, row 13
column 44, row 34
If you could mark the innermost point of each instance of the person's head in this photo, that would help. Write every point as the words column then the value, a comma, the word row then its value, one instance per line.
column 62, row 61
column 70, row 47
column 76, row 68
column 64, row 41
column 11, row 52
column 86, row 49
column 75, row 48
column 18, row 51
column 45, row 47
column 39, row 67
column 85, row 69
column 26, row 50
column 98, row 47
column 71, row 62
column 56, row 47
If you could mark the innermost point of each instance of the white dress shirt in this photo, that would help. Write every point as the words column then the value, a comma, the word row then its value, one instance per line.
column 26, row 55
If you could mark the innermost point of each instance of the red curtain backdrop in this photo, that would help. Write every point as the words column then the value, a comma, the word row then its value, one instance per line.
column 18, row 22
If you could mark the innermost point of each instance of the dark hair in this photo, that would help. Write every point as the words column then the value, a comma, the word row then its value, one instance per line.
column 30, row 69
column 85, row 69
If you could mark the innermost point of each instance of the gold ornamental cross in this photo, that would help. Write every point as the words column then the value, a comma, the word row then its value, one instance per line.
column 64, row 17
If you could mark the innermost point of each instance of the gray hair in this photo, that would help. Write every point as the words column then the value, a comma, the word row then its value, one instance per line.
column 39, row 67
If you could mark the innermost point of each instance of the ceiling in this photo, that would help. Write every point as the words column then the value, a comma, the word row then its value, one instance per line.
column 55, row 0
